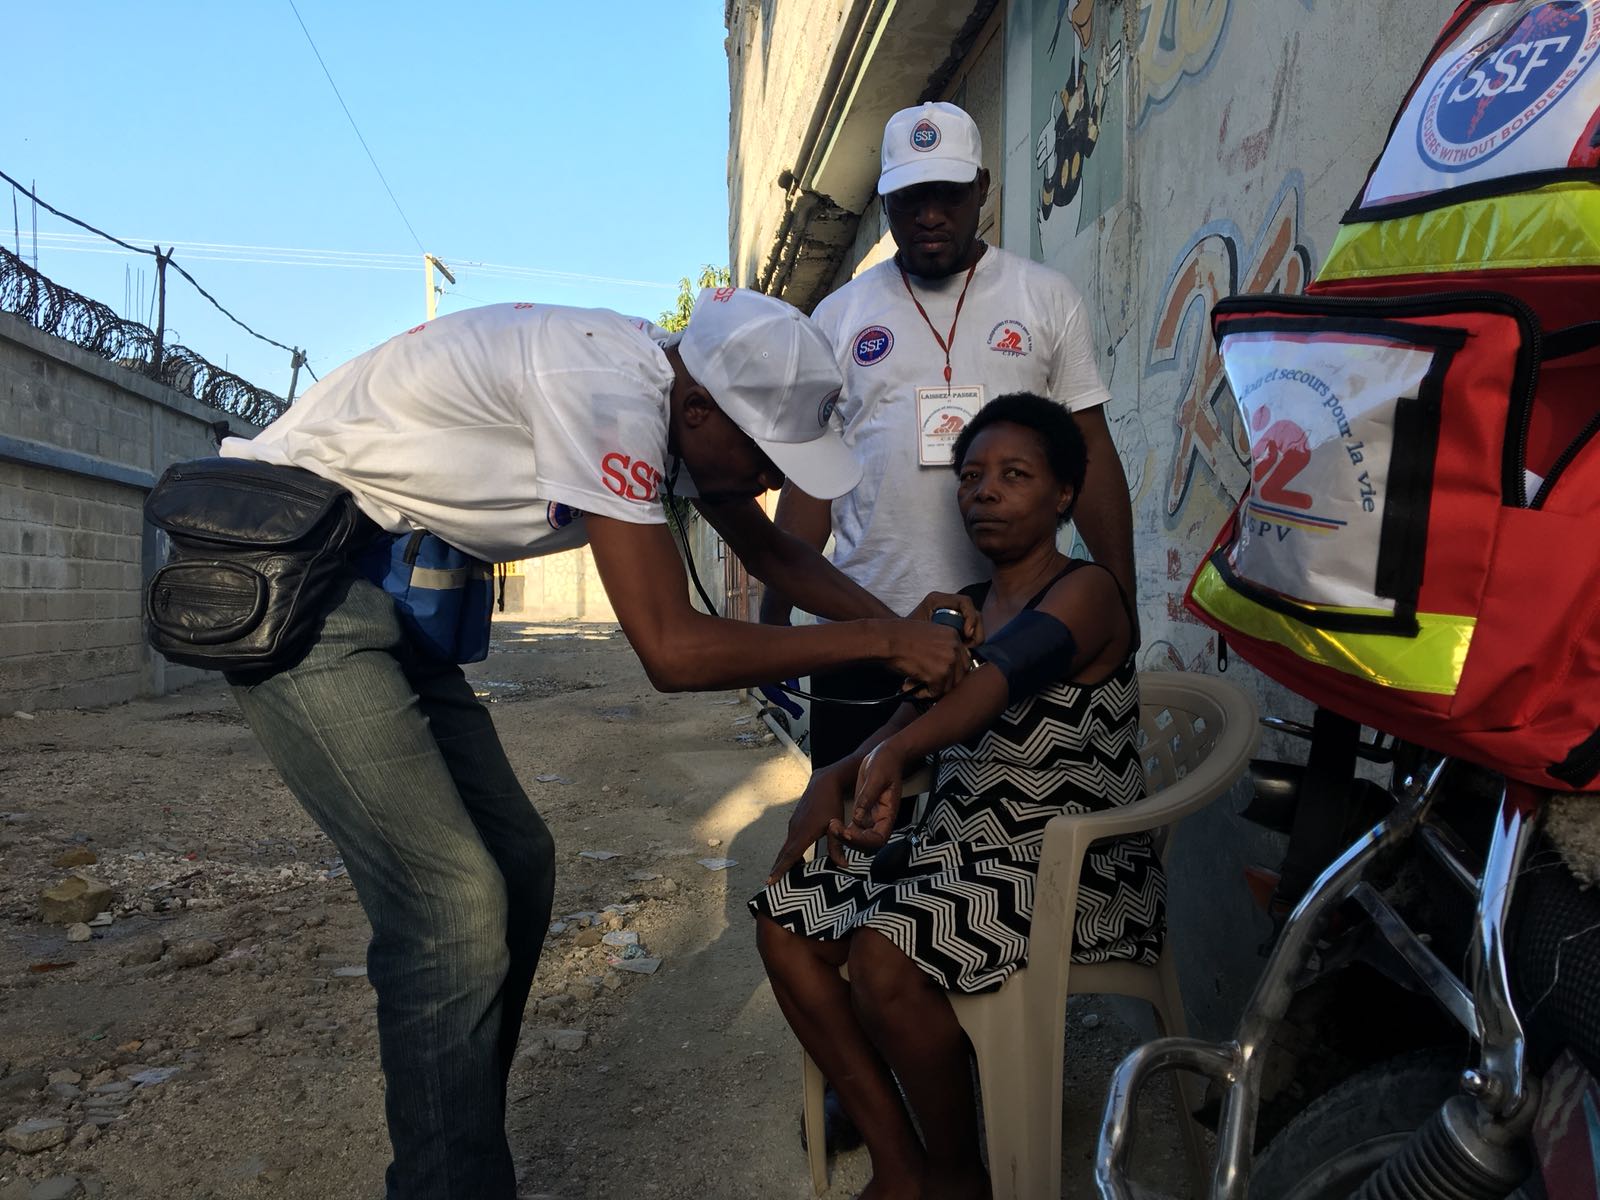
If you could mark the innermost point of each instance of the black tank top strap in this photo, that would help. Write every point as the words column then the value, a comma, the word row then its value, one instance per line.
column 977, row 592
column 1072, row 565
column 1127, row 607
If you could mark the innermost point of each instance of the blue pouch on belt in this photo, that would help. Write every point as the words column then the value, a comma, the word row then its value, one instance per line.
column 444, row 595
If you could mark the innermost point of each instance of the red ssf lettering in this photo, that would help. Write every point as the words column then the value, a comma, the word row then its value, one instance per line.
column 723, row 294
column 645, row 478
column 630, row 478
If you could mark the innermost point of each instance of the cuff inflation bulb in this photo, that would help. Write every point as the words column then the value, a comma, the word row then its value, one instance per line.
column 953, row 618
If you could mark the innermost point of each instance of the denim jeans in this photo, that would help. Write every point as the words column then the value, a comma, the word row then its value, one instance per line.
column 400, row 765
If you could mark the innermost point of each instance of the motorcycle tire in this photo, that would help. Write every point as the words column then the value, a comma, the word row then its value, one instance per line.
column 1327, row 1151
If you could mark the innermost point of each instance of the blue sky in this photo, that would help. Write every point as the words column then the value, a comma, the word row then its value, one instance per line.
column 589, row 140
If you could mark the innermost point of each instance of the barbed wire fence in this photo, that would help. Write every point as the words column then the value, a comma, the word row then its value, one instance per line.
column 64, row 313
column 58, row 310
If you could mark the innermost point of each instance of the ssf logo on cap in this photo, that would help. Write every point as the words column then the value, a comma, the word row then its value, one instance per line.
column 931, row 143
column 773, row 373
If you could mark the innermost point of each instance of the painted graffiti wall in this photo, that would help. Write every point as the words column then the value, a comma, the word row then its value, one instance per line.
column 1172, row 152
column 1164, row 154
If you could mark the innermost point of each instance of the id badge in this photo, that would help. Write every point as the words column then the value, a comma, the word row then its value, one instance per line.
column 942, row 413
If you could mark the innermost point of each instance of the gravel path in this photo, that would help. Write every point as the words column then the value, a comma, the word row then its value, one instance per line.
column 216, row 1038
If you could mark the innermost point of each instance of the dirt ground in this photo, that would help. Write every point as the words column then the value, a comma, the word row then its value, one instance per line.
column 216, row 1039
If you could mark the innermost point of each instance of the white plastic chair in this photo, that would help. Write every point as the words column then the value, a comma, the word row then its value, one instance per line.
column 1197, row 734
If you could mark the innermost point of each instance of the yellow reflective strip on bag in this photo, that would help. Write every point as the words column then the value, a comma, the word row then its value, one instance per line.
column 437, row 580
column 1554, row 226
column 1431, row 661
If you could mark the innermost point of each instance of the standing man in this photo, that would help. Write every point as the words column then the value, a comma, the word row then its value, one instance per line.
column 923, row 341
column 509, row 431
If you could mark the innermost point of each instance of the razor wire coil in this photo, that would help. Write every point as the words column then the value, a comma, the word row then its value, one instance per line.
column 93, row 326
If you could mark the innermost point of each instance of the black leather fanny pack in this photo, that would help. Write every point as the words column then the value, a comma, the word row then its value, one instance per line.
column 256, row 550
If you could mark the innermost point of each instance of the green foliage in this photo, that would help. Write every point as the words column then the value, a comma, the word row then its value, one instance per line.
column 677, row 316
column 680, row 513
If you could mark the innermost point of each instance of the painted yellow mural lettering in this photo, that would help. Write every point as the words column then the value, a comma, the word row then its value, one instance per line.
column 1209, row 268
column 1177, row 38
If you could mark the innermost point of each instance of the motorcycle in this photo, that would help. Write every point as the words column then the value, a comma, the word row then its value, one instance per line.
column 1427, row 1026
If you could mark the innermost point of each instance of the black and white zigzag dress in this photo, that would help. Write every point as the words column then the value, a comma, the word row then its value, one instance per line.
column 963, row 909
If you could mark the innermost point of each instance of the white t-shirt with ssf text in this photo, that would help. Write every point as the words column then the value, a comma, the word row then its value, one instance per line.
column 496, row 428
column 1022, row 328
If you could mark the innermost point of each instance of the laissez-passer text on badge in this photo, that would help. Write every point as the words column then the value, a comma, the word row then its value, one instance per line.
column 942, row 413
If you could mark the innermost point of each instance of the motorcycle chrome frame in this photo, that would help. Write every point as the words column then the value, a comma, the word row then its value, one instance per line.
column 1499, row 1083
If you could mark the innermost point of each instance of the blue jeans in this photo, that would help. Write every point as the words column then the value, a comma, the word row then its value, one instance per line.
column 400, row 765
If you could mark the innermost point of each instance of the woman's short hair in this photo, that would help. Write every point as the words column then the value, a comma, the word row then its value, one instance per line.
column 1064, row 447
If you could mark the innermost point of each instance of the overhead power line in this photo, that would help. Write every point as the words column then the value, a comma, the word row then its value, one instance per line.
column 192, row 255
column 28, row 192
column 373, row 260
column 195, row 283
column 157, row 254
column 407, row 258
column 354, row 126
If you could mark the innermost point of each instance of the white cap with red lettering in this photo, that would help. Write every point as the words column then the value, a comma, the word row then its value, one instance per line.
column 931, row 143
column 773, row 372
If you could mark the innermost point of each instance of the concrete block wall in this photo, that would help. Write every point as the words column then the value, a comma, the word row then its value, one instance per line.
column 559, row 587
column 82, row 440
column 69, row 587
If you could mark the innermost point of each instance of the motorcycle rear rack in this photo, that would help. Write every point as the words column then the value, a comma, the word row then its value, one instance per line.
column 1499, row 1083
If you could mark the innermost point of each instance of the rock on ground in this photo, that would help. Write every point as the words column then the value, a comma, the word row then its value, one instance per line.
column 145, row 949
column 194, row 954
column 74, row 899
column 36, row 1134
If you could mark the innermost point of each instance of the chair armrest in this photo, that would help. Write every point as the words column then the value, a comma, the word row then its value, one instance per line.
column 1165, row 807
column 918, row 781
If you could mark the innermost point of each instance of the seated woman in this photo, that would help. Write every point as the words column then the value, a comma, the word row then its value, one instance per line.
column 1046, row 725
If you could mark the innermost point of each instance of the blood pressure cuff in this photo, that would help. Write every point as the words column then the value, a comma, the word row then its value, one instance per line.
column 1032, row 651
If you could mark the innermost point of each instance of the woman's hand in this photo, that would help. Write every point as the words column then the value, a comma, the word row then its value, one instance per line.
column 877, row 801
column 971, row 618
column 819, row 805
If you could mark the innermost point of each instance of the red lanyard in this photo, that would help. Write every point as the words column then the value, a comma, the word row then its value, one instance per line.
column 949, row 339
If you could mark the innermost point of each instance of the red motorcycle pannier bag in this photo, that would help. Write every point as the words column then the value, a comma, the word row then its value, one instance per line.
column 1393, row 559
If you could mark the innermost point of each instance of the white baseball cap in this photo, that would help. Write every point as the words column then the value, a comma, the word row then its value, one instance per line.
column 934, row 142
column 773, row 372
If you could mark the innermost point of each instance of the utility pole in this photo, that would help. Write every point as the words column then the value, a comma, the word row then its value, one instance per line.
column 161, row 305
column 429, row 262
column 297, row 359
